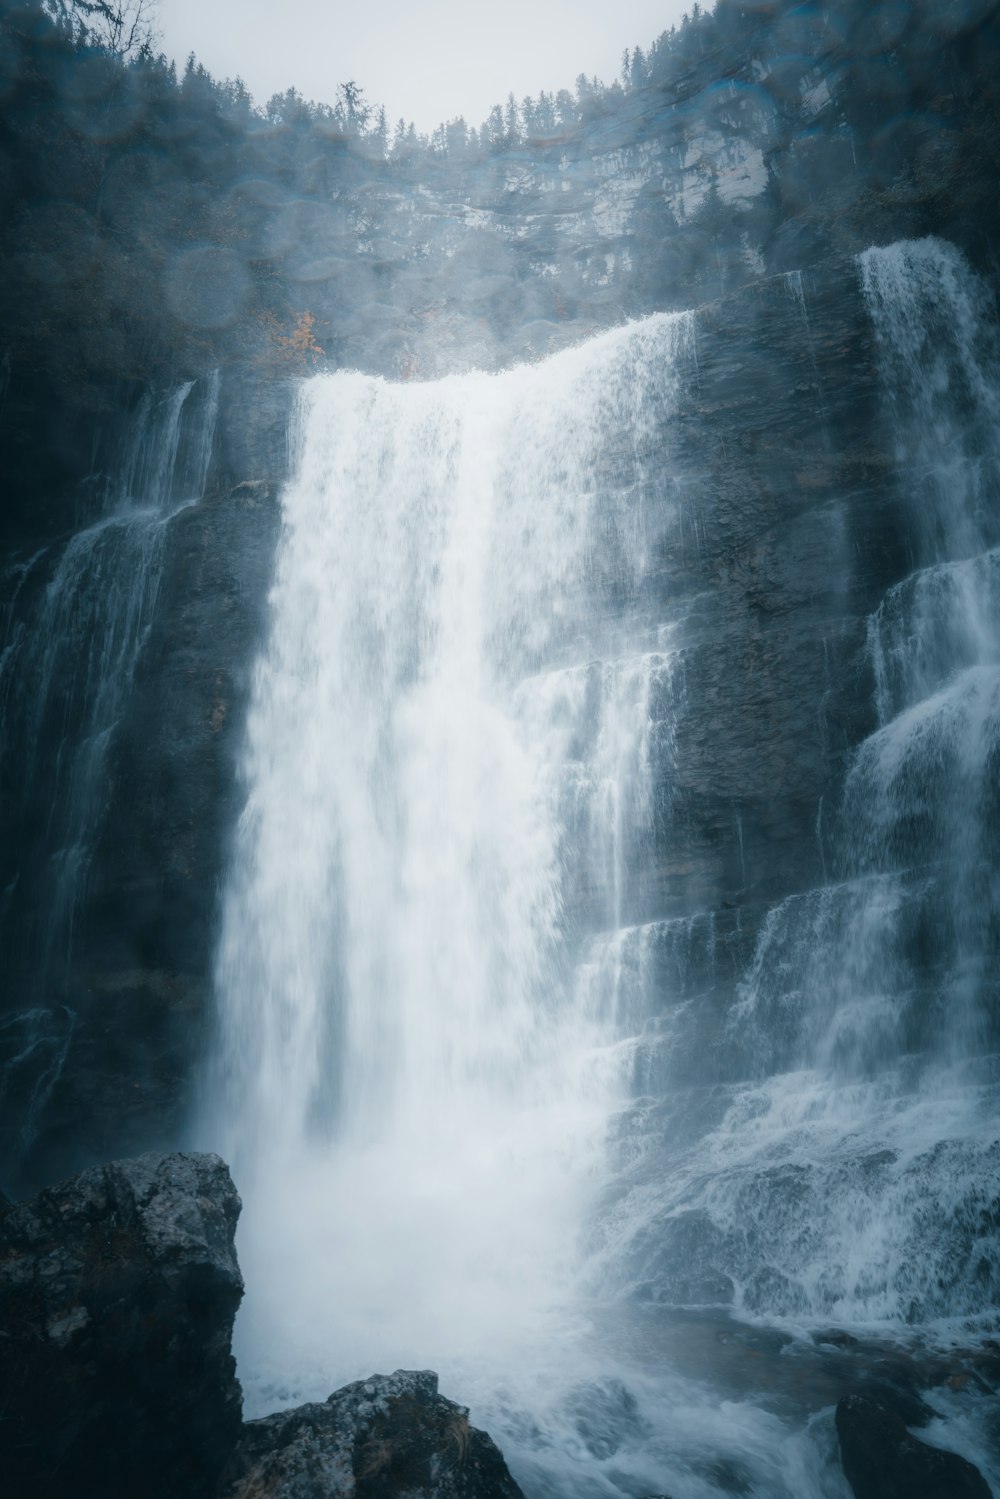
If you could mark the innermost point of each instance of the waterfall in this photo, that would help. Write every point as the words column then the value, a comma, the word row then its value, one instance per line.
column 847, row 1168
column 923, row 790
column 939, row 353
column 450, row 751
column 490, row 1109
column 70, row 659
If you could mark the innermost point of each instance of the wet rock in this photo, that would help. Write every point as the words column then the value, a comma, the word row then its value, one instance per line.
column 118, row 1291
column 834, row 1337
column 883, row 1461
column 381, row 1438
column 897, row 1394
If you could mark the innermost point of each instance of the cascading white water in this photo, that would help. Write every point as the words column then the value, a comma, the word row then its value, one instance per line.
column 936, row 329
column 854, row 1176
column 448, row 772
column 922, row 790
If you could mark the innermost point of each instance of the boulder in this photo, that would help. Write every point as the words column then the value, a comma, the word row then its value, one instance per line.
column 118, row 1291
column 882, row 1460
column 388, row 1437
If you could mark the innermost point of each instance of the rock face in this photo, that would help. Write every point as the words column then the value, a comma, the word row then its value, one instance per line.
column 118, row 1291
column 99, row 1036
column 883, row 1461
column 383, row 1438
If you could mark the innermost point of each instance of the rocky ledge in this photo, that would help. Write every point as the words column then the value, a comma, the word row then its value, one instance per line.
column 388, row 1436
column 118, row 1291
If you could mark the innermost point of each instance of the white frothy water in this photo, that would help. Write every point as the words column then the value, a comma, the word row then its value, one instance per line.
column 448, row 769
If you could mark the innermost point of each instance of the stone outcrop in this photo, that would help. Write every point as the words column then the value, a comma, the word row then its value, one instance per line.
column 883, row 1460
column 383, row 1437
column 118, row 1291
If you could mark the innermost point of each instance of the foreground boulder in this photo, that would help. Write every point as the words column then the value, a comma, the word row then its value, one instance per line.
column 389, row 1437
column 883, row 1461
column 118, row 1291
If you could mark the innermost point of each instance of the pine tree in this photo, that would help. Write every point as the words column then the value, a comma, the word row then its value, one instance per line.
column 512, row 121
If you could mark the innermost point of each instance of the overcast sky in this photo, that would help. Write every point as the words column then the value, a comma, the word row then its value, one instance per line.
column 429, row 60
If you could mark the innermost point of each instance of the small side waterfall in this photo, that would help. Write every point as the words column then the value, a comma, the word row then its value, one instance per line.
column 935, row 324
column 852, row 1175
column 922, row 794
column 70, row 660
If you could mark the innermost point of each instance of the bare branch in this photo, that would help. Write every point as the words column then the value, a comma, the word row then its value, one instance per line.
column 121, row 27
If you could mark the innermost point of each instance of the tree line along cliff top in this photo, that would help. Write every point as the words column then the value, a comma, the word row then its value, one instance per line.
column 154, row 225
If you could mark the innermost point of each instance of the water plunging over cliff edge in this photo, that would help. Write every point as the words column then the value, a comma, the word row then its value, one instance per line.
column 448, row 784
column 438, row 978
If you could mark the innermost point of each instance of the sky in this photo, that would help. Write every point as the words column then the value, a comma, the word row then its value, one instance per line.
column 427, row 61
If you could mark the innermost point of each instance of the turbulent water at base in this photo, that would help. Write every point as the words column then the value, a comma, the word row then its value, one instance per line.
column 454, row 1064
column 69, row 661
